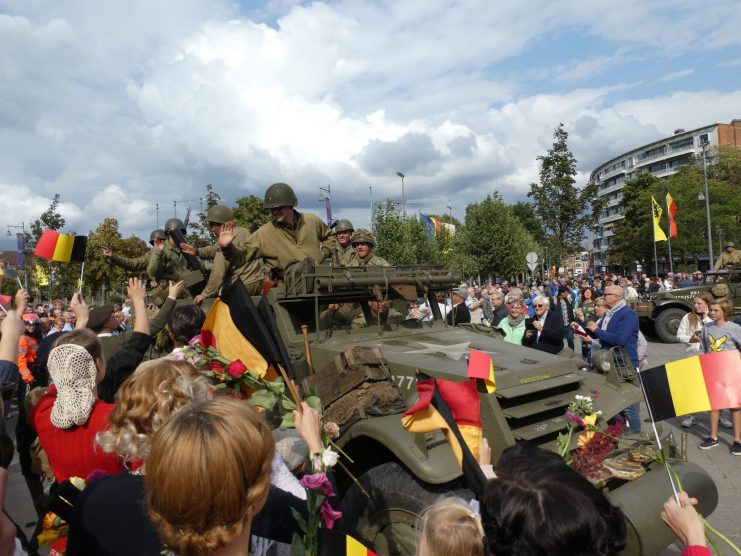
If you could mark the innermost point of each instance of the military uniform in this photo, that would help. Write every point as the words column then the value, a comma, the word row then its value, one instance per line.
column 277, row 245
column 169, row 264
column 371, row 260
column 345, row 253
column 728, row 259
column 223, row 272
column 132, row 264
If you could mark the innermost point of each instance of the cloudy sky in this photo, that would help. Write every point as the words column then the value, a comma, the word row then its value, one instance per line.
column 119, row 106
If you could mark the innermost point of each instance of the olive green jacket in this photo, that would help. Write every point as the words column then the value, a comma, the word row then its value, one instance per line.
column 111, row 344
column 728, row 259
column 372, row 260
column 277, row 245
column 169, row 264
column 344, row 253
column 223, row 272
column 132, row 264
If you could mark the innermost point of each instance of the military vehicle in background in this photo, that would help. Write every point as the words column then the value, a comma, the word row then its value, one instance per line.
column 664, row 310
column 342, row 347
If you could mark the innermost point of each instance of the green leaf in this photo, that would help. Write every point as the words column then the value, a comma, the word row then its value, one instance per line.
column 264, row 399
column 315, row 403
column 288, row 404
column 288, row 421
column 300, row 520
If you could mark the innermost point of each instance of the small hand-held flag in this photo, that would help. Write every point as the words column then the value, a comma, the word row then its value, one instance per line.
column 672, row 211
column 659, row 234
column 60, row 247
column 480, row 365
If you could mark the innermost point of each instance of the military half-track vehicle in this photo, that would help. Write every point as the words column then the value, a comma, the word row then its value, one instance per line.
column 664, row 310
column 398, row 472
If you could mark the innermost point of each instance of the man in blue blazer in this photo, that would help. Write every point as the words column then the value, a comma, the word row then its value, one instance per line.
column 619, row 328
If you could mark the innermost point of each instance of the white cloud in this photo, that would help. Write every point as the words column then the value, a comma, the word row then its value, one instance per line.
column 120, row 107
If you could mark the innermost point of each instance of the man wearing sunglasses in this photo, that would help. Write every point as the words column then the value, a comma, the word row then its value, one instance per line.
column 545, row 331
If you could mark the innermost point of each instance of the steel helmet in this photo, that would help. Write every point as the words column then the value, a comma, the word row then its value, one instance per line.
column 730, row 244
column 219, row 214
column 30, row 318
column 280, row 195
column 159, row 233
column 361, row 235
column 343, row 225
column 174, row 224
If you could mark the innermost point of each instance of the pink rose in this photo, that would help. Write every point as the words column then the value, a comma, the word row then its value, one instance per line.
column 329, row 515
column 194, row 341
column 236, row 368
column 319, row 482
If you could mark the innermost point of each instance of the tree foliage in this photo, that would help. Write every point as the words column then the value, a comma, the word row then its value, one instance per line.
column 565, row 211
column 100, row 274
column 494, row 239
column 198, row 232
column 250, row 212
column 402, row 240
column 525, row 213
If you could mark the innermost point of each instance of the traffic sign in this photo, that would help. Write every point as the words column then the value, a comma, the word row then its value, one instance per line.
column 532, row 258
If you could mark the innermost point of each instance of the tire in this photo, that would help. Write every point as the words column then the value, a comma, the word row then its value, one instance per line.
column 387, row 522
column 667, row 323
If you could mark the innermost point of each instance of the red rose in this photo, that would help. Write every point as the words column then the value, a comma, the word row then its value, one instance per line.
column 236, row 368
column 216, row 366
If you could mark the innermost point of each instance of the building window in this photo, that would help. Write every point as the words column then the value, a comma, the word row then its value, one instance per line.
column 703, row 139
column 682, row 143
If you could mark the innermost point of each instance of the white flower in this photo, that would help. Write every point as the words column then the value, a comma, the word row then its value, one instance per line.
column 329, row 458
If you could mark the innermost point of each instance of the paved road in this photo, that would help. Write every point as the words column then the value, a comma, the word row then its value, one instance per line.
column 718, row 462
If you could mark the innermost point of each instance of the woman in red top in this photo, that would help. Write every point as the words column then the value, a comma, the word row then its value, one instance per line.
column 69, row 415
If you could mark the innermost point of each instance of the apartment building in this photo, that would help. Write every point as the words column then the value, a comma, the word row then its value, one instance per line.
column 661, row 159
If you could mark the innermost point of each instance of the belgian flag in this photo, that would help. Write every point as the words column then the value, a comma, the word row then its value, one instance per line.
column 336, row 543
column 60, row 247
column 694, row 384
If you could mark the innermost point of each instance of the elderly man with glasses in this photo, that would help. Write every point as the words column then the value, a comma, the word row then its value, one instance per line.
column 545, row 331
column 619, row 328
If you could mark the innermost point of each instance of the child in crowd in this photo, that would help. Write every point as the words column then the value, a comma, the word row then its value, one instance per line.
column 450, row 528
column 722, row 335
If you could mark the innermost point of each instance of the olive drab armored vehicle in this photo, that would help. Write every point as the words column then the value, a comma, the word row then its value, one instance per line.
column 665, row 309
column 347, row 335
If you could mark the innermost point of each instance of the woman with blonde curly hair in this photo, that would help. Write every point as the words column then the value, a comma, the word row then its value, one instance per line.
column 222, row 448
column 110, row 515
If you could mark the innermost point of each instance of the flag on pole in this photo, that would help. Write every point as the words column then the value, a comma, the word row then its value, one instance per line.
column 659, row 234
column 60, row 247
column 455, row 409
column 672, row 211
column 428, row 223
column 694, row 384
column 337, row 543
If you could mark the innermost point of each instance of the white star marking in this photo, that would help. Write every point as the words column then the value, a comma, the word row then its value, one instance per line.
column 453, row 351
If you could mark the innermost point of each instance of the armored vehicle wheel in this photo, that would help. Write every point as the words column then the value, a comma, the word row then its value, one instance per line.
column 667, row 324
column 387, row 521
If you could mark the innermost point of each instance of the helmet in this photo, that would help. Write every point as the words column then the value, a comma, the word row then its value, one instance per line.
column 343, row 225
column 157, row 234
column 30, row 318
column 730, row 244
column 280, row 195
column 362, row 235
column 174, row 224
column 219, row 214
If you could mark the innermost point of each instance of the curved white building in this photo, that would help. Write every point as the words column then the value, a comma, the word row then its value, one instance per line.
column 661, row 159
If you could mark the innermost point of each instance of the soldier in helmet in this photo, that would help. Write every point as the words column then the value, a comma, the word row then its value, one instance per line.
column 363, row 242
column 167, row 263
column 731, row 257
column 343, row 230
column 223, row 272
column 291, row 235
column 136, row 264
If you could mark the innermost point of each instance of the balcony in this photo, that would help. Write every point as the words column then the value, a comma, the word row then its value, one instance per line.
column 613, row 172
column 657, row 156
column 680, row 150
column 611, row 189
column 611, row 218
column 665, row 172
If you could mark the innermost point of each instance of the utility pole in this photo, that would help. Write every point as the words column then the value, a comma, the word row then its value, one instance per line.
column 403, row 196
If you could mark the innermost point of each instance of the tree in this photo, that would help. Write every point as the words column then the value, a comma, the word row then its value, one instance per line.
column 494, row 239
column 402, row 240
column 525, row 213
column 100, row 274
column 199, row 234
column 250, row 212
column 560, row 206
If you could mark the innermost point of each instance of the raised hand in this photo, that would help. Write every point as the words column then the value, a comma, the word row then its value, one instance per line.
column 227, row 234
column 107, row 251
column 188, row 249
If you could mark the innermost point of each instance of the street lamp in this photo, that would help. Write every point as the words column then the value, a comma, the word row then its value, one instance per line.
column 720, row 239
column 15, row 227
column 403, row 196
column 707, row 202
column 450, row 213
column 327, row 201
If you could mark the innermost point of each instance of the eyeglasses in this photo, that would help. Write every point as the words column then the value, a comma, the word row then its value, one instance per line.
column 540, row 305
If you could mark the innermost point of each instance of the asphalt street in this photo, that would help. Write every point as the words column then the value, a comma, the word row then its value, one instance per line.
column 718, row 462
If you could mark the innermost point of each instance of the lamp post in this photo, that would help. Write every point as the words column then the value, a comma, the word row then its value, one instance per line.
column 403, row 196
column 719, row 231
column 327, row 201
column 450, row 213
column 707, row 202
